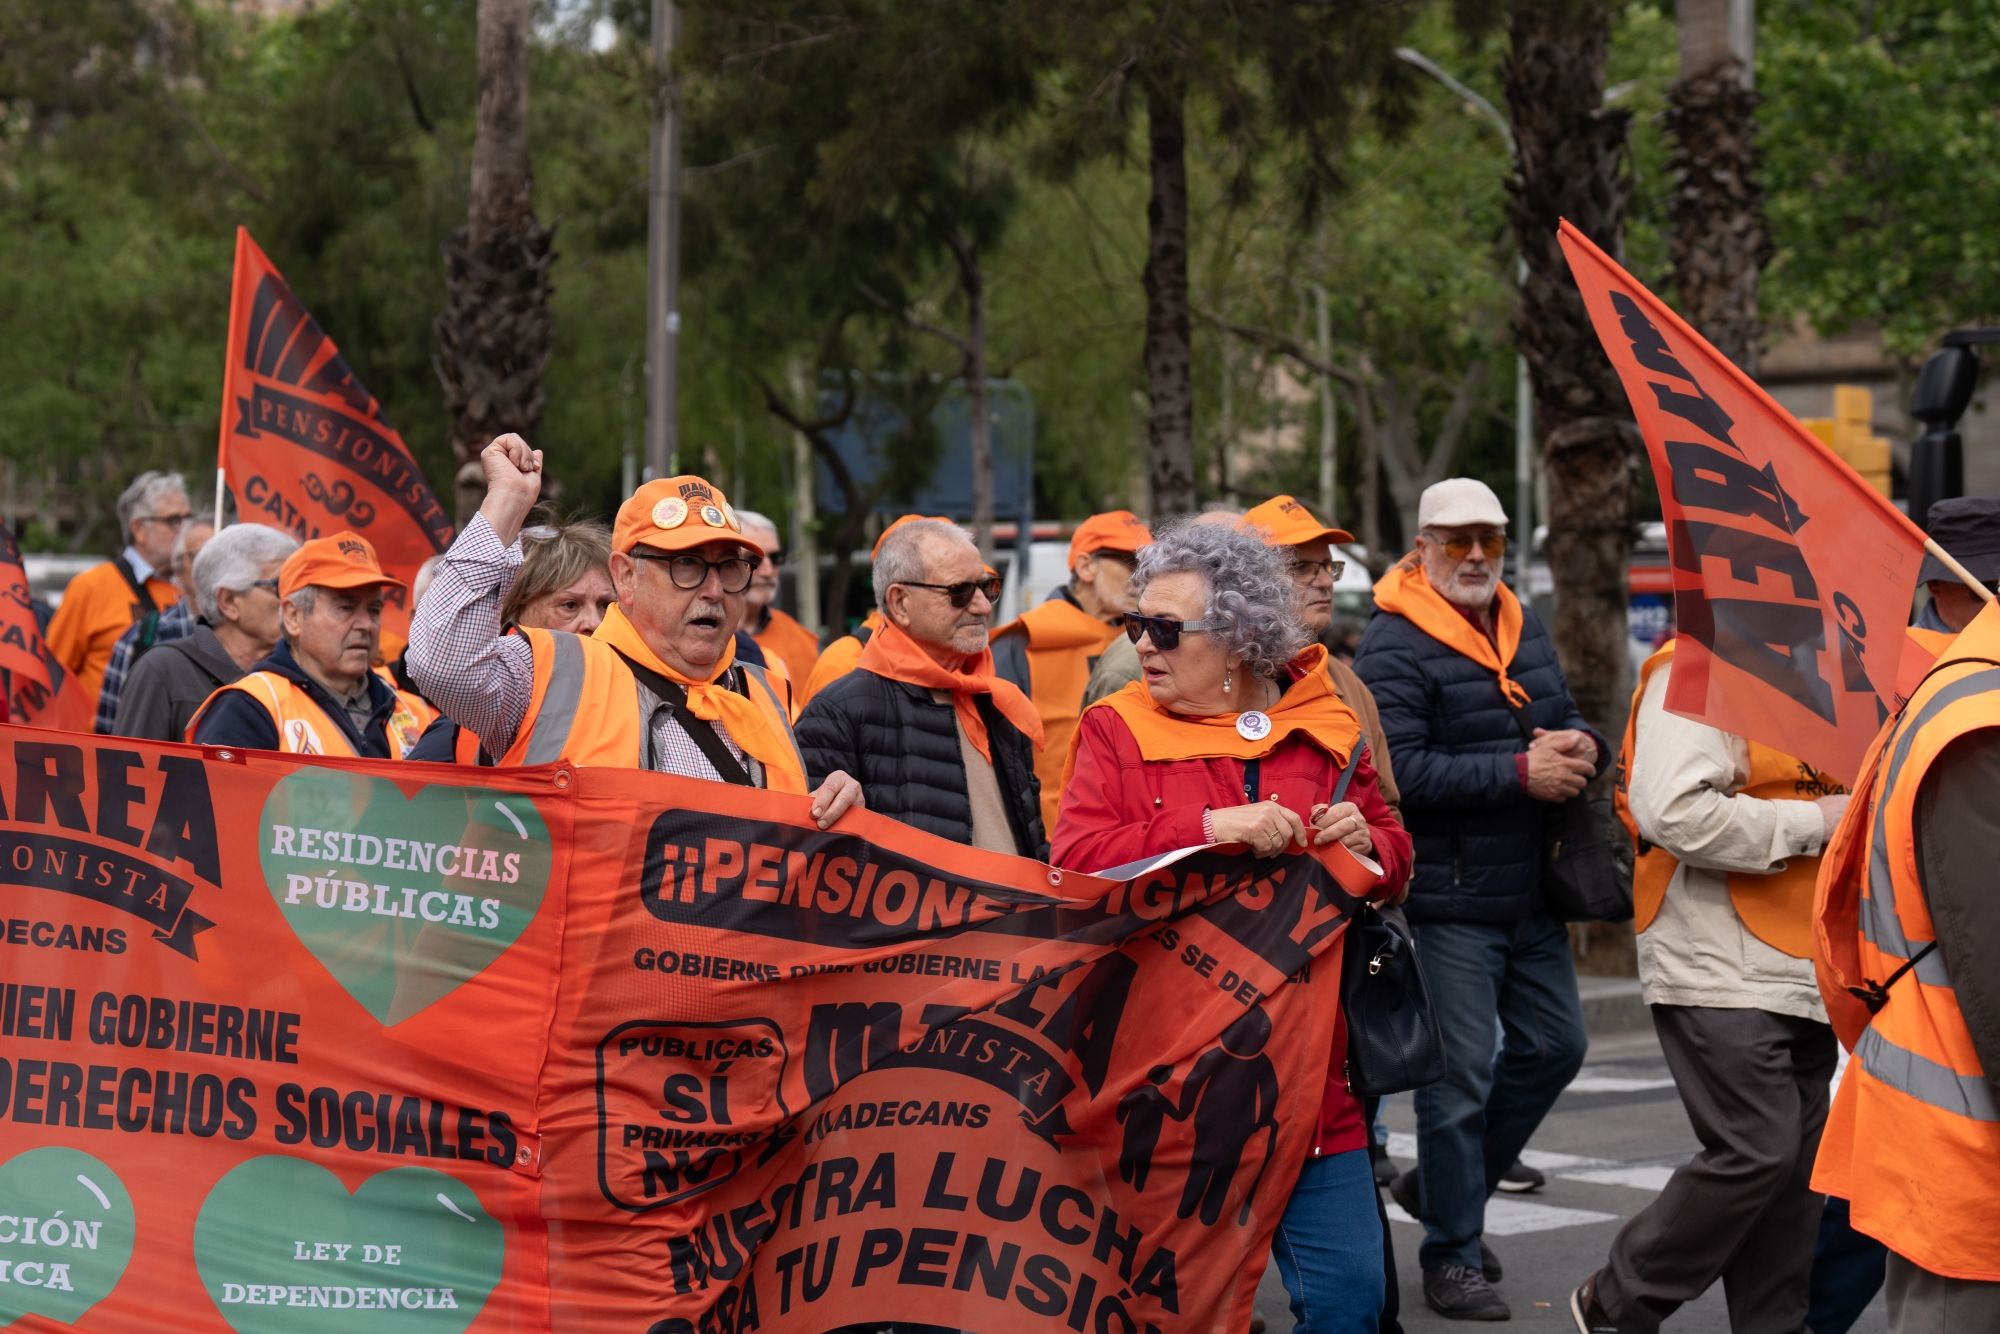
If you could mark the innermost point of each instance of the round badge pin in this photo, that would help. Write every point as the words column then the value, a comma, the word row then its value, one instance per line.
column 712, row 516
column 1252, row 725
column 729, row 513
column 670, row 513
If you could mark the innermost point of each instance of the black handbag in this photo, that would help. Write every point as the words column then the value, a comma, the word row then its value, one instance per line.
column 1586, row 858
column 1393, row 1042
column 1586, row 862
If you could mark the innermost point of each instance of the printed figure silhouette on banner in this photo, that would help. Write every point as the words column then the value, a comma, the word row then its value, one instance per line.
column 1144, row 1112
column 1232, row 1093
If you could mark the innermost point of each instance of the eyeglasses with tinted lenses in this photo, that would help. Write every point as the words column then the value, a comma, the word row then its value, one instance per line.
column 175, row 521
column 1309, row 571
column 271, row 584
column 1164, row 631
column 691, row 572
column 961, row 593
column 1458, row 548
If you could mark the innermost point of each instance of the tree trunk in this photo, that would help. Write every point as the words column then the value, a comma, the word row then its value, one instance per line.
column 1718, row 243
column 978, row 411
column 1169, row 380
column 1571, row 162
column 494, row 333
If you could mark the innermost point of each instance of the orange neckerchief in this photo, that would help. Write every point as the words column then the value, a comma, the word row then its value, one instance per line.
column 757, row 731
column 1406, row 592
column 1309, row 708
column 892, row 654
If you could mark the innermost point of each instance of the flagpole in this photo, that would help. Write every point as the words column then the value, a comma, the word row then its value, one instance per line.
column 221, row 485
column 1944, row 558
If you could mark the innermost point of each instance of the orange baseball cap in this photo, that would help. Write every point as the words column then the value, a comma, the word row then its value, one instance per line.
column 676, row 513
column 1117, row 530
column 898, row 522
column 1286, row 522
column 343, row 560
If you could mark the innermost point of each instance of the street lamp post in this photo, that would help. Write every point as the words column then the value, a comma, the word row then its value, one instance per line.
column 1524, row 404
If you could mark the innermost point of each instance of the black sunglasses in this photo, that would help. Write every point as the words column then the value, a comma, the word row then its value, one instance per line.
column 1164, row 631
column 691, row 572
column 961, row 593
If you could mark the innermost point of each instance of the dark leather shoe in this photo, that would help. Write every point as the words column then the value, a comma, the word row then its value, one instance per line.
column 1520, row 1179
column 1385, row 1167
column 1489, row 1263
column 1403, row 1190
column 1589, row 1316
column 1460, row 1292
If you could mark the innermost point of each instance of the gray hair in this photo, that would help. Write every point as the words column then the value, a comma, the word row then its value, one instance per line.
column 235, row 559
column 146, row 490
column 1249, row 590
column 901, row 559
column 188, row 530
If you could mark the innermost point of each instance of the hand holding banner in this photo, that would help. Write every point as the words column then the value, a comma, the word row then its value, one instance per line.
column 1792, row 576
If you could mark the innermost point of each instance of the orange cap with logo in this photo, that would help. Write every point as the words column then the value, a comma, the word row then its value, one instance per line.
column 342, row 560
column 676, row 513
column 1117, row 530
column 1286, row 522
column 898, row 522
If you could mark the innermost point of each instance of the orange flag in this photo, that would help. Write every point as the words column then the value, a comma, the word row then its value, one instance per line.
column 305, row 446
column 40, row 691
column 1792, row 576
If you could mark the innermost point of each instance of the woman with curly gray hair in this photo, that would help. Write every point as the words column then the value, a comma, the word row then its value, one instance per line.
column 1233, row 735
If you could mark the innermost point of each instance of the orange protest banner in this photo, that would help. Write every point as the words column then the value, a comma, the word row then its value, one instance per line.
column 305, row 446
column 294, row 1044
column 1792, row 576
column 41, row 692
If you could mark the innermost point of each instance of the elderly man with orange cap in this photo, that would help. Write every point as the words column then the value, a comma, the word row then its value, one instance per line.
column 655, row 686
column 1048, row 651
column 843, row 655
column 317, row 692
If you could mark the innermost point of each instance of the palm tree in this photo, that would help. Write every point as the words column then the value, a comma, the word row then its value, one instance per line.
column 494, row 333
column 1718, row 243
column 1571, row 164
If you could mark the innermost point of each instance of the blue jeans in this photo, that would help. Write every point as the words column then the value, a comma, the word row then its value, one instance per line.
column 1329, row 1246
column 1473, row 1123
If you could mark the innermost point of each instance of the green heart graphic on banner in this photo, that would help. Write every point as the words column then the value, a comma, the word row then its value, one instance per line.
column 66, row 1232
column 403, row 899
column 282, row 1248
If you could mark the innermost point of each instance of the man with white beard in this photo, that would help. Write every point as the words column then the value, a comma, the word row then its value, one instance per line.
column 1487, row 742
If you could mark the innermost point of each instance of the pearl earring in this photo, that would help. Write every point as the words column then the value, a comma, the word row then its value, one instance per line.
column 1226, row 676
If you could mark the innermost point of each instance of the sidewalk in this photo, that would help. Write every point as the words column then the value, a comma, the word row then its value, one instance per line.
column 1611, row 1006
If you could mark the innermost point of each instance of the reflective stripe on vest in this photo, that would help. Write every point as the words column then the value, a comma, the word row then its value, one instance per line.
column 1924, row 1079
column 559, row 703
column 1907, row 1071
column 1880, row 926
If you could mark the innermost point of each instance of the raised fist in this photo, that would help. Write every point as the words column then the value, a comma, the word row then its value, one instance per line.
column 513, row 484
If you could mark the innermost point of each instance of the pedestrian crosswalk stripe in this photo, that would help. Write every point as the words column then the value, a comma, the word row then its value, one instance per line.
column 1506, row 1217
column 1615, row 1084
column 1568, row 1166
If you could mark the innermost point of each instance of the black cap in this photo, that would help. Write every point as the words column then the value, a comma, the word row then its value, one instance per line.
column 1969, row 528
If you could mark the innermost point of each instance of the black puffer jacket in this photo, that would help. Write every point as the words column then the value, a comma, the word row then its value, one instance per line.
column 1478, row 834
column 903, row 747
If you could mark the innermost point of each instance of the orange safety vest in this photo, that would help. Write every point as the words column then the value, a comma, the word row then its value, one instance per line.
column 1913, row 1140
column 1776, row 908
column 1063, row 643
column 586, row 707
column 303, row 727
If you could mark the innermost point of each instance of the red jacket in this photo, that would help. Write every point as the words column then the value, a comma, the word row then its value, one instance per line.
column 1120, row 807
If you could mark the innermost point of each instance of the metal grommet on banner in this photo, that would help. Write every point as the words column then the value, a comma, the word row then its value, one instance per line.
column 561, row 778
column 524, row 1155
column 225, row 755
column 1055, row 876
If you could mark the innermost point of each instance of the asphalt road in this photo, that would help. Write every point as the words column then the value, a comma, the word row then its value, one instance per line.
column 1611, row 1141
